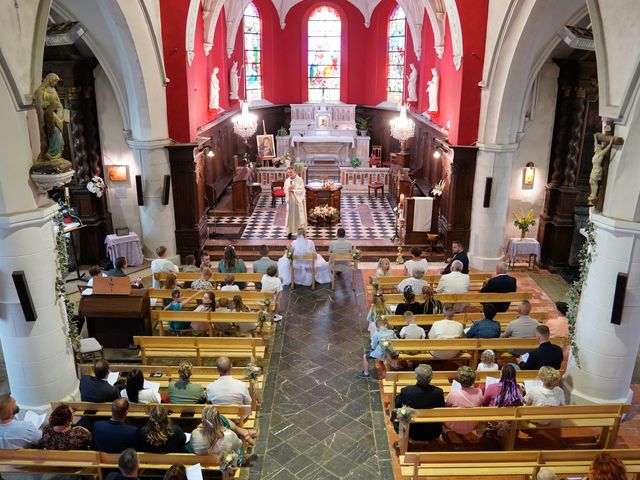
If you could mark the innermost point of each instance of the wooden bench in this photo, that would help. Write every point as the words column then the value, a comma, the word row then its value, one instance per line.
column 470, row 348
column 477, row 280
column 236, row 318
column 519, row 464
column 466, row 319
column 200, row 347
column 468, row 298
column 605, row 417
column 217, row 278
column 249, row 298
column 79, row 462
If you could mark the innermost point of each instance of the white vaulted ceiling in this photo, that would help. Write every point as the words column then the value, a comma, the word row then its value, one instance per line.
column 437, row 12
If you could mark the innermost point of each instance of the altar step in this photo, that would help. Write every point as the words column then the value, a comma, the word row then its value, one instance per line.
column 323, row 169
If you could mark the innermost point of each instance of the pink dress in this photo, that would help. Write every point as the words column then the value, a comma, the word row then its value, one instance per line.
column 466, row 397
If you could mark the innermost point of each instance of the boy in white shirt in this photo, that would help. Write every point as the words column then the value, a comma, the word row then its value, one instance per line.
column 228, row 284
column 412, row 331
column 272, row 283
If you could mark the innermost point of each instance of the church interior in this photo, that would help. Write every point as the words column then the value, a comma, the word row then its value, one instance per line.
column 339, row 222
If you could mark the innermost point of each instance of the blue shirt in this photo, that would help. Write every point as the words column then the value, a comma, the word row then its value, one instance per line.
column 376, row 349
column 484, row 328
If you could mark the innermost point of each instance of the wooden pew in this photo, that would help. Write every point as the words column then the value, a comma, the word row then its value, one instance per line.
column 237, row 318
column 522, row 464
column 217, row 278
column 476, row 280
column 468, row 298
column 200, row 347
column 250, row 298
column 163, row 461
column 470, row 348
column 466, row 319
column 605, row 417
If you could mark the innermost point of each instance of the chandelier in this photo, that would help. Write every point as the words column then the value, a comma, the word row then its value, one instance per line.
column 245, row 124
column 402, row 128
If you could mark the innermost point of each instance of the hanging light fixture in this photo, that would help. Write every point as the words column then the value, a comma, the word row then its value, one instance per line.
column 402, row 128
column 245, row 124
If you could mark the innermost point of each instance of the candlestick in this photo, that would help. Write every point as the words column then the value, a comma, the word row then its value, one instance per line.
column 66, row 194
column 402, row 199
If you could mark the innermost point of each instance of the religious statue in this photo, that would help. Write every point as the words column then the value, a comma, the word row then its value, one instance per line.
column 432, row 89
column 214, row 90
column 602, row 145
column 413, row 80
column 51, row 118
column 296, row 202
column 234, row 82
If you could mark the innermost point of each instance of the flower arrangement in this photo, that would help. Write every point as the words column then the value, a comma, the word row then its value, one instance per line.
column 228, row 461
column 356, row 254
column 404, row 413
column 96, row 186
column 437, row 189
column 387, row 347
column 523, row 222
column 324, row 211
column 62, row 260
column 252, row 371
column 287, row 158
column 374, row 284
column 289, row 253
column 355, row 162
column 277, row 162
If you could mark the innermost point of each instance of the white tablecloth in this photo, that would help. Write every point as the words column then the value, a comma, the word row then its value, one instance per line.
column 321, row 139
column 525, row 246
column 127, row 246
column 422, row 214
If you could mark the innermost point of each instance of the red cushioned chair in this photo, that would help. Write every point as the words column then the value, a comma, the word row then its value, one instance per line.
column 277, row 191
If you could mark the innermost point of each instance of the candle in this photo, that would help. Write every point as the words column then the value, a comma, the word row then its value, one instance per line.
column 402, row 199
column 66, row 193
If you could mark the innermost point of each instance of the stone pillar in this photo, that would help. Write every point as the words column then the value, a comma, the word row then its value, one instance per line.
column 157, row 220
column 607, row 352
column 488, row 224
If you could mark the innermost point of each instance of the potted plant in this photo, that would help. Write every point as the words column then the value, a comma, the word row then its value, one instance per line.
column 282, row 132
column 362, row 123
column 355, row 162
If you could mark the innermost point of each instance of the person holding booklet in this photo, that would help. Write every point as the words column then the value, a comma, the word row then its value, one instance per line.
column 463, row 395
column 15, row 434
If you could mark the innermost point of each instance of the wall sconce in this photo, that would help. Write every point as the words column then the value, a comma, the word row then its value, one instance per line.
column 209, row 152
column 529, row 174
column 437, row 153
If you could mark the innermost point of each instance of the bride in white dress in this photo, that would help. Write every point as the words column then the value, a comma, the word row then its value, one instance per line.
column 302, row 268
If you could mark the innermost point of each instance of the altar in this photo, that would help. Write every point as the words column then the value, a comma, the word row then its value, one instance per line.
column 310, row 148
column 318, row 194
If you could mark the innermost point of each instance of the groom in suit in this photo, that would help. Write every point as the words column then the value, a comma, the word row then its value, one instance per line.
column 457, row 248
column 501, row 283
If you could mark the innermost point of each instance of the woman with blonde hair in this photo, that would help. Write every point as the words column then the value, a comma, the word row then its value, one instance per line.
column 466, row 396
column 549, row 394
column 183, row 390
column 159, row 436
column 431, row 305
column 217, row 435
column 384, row 268
column 377, row 310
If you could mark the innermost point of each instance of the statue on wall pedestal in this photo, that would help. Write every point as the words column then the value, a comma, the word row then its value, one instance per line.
column 234, row 82
column 602, row 143
column 432, row 90
column 51, row 118
column 411, row 87
column 214, row 90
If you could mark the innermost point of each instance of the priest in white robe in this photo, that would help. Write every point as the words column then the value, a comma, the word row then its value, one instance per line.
column 302, row 268
column 296, row 203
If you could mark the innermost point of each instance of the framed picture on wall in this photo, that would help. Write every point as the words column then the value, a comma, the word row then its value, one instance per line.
column 118, row 173
column 266, row 146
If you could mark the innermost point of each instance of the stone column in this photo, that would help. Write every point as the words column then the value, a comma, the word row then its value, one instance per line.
column 157, row 220
column 488, row 224
column 607, row 351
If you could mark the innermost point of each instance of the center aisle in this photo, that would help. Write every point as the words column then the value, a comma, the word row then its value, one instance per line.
column 318, row 420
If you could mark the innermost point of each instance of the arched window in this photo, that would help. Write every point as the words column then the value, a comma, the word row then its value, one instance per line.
column 324, row 37
column 396, row 55
column 251, row 30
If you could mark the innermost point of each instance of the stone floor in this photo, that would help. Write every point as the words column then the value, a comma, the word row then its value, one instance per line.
column 319, row 421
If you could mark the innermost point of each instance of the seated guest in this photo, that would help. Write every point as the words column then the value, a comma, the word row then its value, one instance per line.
column 171, row 281
column 505, row 393
column 205, row 261
column 190, row 264
column 411, row 331
column 159, row 435
column 501, row 283
column 430, row 305
column 204, row 282
column 377, row 310
column 377, row 351
column 384, row 268
column 96, row 388
column 223, row 305
column 416, row 282
column 416, row 262
column 208, row 305
column 15, row 434
column 217, row 434
column 522, row 327
column 227, row 390
column 183, row 390
column 228, row 284
column 264, row 262
column 454, row 282
column 457, row 249
column 272, row 283
column 162, row 264
column 547, row 354
column 341, row 245
column 487, row 362
column 239, row 306
column 118, row 270
column 114, row 435
column 466, row 397
column 128, row 466
column 409, row 304
column 302, row 270
column 546, row 474
column 94, row 271
column 177, row 471
column 58, row 434
column 135, row 391
column 558, row 327
column 176, row 304
column 422, row 395
column 230, row 263
column 446, row 328
column 549, row 394
column 487, row 327
column 606, row 466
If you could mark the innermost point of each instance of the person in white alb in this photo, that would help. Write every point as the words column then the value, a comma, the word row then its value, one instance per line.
column 416, row 262
column 227, row 390
column 271, row 283
column 446, row 328
column 454, row 282
column 296, row 203
column 161, row 264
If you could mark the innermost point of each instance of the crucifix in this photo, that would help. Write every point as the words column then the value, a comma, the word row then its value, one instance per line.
column 602, row 143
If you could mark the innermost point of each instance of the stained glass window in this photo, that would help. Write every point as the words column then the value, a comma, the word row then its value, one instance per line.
column 324, row 34
column 396, row 55
column 251, row 29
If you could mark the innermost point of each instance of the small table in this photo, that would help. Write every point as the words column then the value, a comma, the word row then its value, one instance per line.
column 127, row 246
column 523, row 246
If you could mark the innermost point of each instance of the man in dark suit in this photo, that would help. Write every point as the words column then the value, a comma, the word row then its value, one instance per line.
column 457, row 248
column 547, row 354
column 97, row 389
column 501, row 283
column 114, row 435
column 419, row 396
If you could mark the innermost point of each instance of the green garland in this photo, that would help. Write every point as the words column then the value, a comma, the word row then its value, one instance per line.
column 585, row 257
column 62, row 260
